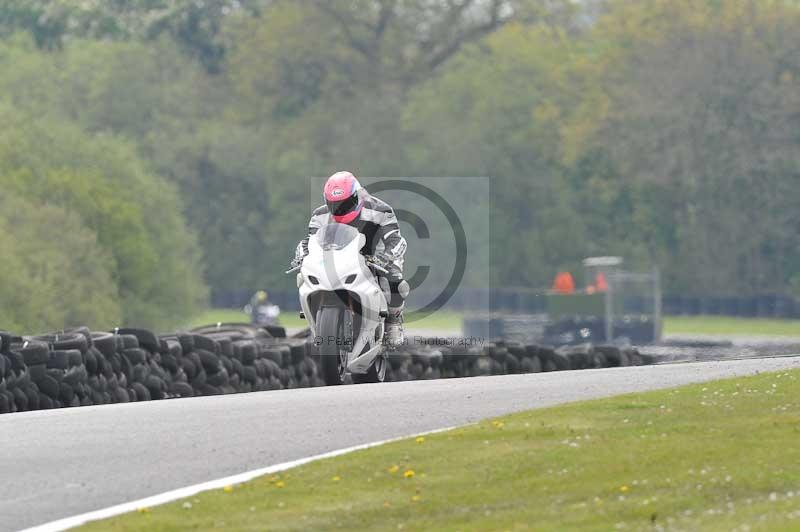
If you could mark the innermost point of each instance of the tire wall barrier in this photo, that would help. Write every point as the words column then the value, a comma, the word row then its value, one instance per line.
column 79, row 367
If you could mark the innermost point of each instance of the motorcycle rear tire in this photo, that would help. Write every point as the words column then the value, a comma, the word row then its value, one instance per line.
column 376, row 372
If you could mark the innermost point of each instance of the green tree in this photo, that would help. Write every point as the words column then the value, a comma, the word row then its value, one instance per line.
column 195, row 26
column 647, row 129
column 327, row 83
column 494, row 113
column 137, row 216
column 53, row 278
column 220, row 169
column 701, row 117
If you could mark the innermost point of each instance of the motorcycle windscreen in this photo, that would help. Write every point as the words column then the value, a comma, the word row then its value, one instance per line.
column 335, row 236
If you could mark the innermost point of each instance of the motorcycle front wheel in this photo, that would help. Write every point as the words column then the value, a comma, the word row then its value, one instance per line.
column 332, row 329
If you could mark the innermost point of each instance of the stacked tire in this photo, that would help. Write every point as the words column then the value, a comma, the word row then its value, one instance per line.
column 17, row 392
column 78, row 367
column 57, row 366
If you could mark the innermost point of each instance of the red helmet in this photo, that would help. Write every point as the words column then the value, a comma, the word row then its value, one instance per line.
column 341, row 196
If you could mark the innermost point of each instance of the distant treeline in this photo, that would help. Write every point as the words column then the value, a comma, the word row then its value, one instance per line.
column 150, row 150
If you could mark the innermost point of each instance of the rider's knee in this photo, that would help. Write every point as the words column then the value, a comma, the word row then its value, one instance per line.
column 402, row 288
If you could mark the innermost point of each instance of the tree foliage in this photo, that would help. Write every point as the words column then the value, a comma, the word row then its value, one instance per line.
column 665, row 131
column 195, row 26
column 136, row 216
column 706, row 124
column 52, row 278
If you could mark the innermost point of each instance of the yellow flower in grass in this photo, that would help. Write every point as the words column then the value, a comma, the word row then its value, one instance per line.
column 394, row 469
column 409, row 473
column 624, row 489
column 227, row 489
column 144, row 510
column 420, row 439
column 415, row 498
column 279, row 484
column 498, row 424
column 337, row 478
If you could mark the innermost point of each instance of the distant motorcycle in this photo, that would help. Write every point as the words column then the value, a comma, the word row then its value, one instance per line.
column 264, row 314
column 345, row 304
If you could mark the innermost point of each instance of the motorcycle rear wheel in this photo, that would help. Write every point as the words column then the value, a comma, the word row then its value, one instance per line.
column 376, row 372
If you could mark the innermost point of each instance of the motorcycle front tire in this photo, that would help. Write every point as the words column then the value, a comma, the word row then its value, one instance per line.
column 333, row 356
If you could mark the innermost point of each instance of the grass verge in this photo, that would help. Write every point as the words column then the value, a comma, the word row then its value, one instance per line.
column 723, row 325
column 719, row 456
column 219, row 315
column 224, row 315
column 447, row 321
column 441, row 320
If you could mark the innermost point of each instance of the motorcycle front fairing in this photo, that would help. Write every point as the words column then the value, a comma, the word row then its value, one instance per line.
column 339, row 275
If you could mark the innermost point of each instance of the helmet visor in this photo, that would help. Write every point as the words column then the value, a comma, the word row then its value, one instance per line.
column 343, row 207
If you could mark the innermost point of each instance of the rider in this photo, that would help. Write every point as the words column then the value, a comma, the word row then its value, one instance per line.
column 347, row 202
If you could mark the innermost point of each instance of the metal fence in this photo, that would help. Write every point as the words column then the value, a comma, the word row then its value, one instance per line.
column 758, row 306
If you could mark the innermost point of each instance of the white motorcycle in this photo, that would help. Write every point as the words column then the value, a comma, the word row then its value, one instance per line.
column 345, row 304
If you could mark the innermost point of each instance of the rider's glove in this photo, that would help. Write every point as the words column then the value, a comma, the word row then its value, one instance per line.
column 299, row 255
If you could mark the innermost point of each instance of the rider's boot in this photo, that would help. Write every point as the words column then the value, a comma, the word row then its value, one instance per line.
column 394, row 327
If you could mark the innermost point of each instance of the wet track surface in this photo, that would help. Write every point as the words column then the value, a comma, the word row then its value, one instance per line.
column 59, row 463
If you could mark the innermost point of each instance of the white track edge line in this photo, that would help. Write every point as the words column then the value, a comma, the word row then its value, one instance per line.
column 188, row 491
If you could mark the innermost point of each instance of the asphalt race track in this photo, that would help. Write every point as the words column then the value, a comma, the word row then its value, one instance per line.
column 58, row 463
